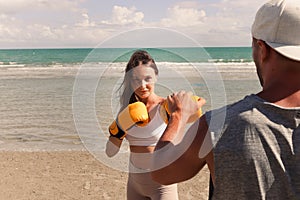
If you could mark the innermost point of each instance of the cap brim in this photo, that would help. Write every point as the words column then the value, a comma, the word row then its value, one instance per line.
column 292, row 52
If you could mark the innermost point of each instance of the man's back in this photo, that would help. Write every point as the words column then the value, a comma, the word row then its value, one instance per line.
column 258, row 153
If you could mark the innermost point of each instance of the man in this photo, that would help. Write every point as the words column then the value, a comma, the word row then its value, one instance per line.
column 257, row 153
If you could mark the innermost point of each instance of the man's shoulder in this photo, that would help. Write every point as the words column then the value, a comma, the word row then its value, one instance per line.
column 234, row 109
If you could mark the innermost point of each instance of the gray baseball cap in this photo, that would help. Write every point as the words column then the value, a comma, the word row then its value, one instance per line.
column 277, row 23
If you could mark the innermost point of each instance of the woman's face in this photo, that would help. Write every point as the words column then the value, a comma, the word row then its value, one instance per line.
column 143, row 80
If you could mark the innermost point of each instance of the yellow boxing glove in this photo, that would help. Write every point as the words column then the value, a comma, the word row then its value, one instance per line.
column 165, row 112
column 135, row 113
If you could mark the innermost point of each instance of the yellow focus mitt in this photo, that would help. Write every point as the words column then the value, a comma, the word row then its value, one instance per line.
column 165, row 112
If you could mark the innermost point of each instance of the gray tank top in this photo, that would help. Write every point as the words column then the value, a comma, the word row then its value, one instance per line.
column 257, row 154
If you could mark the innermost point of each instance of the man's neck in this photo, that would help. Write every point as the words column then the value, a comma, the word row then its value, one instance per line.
column 282, row 96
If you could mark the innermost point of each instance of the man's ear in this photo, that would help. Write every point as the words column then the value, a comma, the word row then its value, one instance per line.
column 264, row 50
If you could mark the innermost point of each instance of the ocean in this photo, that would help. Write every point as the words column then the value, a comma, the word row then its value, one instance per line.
column 64, row 99
column 53, row 57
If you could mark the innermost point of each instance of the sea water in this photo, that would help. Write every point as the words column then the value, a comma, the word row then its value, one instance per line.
column 39, row 98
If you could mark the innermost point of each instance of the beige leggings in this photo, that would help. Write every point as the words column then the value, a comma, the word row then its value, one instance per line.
column 140, row 186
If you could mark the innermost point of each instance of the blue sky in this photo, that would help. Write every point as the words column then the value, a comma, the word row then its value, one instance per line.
column 86, row 23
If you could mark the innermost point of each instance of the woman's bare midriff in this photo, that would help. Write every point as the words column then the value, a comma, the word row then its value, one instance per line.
column 142, row 149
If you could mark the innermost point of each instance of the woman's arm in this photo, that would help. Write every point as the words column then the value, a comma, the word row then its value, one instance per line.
column 135, row 113
column 113, row 146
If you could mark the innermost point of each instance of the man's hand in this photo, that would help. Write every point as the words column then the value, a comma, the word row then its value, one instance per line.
column 178, row 148
column 184, row 105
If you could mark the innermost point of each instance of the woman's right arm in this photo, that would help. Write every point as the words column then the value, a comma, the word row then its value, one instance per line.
column 113, row 146
column 134, row 113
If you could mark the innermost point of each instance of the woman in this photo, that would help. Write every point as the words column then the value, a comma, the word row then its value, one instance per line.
column 138, row 86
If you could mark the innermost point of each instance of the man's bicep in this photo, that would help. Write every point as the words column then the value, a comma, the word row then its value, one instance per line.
column 191, row 162
column 179, row 162
column 192, row 155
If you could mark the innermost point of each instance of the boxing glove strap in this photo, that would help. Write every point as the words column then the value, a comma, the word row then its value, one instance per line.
column 116, row 131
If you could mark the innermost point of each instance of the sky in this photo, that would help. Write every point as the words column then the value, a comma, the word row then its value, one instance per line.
column 87, row 23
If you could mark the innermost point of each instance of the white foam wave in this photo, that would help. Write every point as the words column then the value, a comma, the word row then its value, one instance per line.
column 122, row 65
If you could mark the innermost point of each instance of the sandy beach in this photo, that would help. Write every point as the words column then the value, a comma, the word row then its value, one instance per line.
column 41, row 156
column 73, row 175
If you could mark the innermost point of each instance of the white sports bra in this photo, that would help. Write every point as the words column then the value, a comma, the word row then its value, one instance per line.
column 147, row 135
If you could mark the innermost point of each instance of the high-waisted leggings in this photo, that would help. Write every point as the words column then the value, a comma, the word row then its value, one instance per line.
column 140, row 186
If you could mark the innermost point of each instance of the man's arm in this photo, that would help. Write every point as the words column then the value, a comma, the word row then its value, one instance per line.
column 173, row 162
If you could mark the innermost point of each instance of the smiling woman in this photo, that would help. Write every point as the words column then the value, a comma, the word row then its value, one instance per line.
column 143, row 80
column 139, row 103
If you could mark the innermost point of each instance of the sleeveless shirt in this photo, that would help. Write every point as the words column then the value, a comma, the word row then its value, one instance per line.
column 147, row 135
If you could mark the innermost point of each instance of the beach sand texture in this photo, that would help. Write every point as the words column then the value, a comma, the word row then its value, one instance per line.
column 72, row 175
